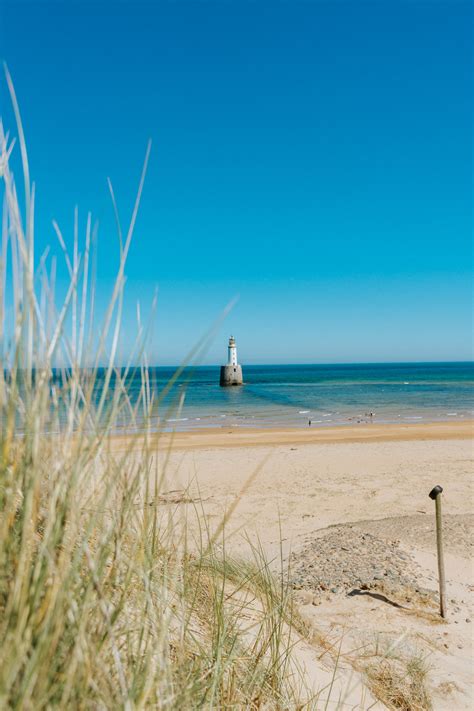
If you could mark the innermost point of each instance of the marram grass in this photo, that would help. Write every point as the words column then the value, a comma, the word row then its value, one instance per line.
column 102, row 603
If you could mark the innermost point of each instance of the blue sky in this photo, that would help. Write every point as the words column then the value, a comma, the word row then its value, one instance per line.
column 313, row 157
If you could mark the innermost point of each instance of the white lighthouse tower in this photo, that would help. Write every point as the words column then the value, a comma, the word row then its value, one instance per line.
column 231, row 374
column 232, row 348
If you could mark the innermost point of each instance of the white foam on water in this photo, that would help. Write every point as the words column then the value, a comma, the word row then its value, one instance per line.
column 178, row 419
column 451, row 414
column 303, row 412
column 413, row 418
column 328, row 415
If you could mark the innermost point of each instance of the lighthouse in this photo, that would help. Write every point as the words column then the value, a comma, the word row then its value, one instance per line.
column 231, row 373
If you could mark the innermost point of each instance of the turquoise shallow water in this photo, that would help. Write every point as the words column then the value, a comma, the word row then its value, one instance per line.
column 291, row 395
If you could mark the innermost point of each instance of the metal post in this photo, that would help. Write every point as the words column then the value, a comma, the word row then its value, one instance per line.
column 435, row 494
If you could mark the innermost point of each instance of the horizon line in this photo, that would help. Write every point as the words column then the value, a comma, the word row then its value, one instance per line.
column 307, row 363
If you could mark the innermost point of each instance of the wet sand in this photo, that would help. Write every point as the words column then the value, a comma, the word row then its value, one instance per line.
column 246, row 437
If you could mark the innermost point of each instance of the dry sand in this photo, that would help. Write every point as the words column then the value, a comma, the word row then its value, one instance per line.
column 291, row 488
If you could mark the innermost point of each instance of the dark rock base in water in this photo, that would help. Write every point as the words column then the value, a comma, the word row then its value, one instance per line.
column 231, row 375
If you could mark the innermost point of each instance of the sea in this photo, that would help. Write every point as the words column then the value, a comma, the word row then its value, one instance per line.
column 310, row 395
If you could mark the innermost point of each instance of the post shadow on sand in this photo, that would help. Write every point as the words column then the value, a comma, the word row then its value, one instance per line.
column 375, row 596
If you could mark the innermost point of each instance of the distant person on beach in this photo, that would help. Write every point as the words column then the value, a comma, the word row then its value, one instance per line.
column 309, row 423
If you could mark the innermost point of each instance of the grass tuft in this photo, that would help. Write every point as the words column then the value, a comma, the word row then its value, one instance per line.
column 401, row 685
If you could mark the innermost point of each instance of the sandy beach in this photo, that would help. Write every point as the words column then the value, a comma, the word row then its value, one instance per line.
column 348, row 509
column 230, row 436
column 306, row 480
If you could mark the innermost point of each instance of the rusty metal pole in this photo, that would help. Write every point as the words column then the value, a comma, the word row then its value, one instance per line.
column 435, row 495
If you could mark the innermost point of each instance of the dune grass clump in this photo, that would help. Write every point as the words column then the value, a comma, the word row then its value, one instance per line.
column 397, row 673
column 103, row 602
column 401, row 685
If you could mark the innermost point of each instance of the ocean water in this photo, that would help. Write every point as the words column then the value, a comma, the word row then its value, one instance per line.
column 328, row 395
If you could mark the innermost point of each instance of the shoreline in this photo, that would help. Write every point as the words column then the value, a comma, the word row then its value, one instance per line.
column 364, row 433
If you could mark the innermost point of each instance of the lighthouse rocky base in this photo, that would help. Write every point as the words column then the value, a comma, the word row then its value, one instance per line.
column 231, row 375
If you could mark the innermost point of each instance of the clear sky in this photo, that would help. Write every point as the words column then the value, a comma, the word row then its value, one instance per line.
column 313, row 157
